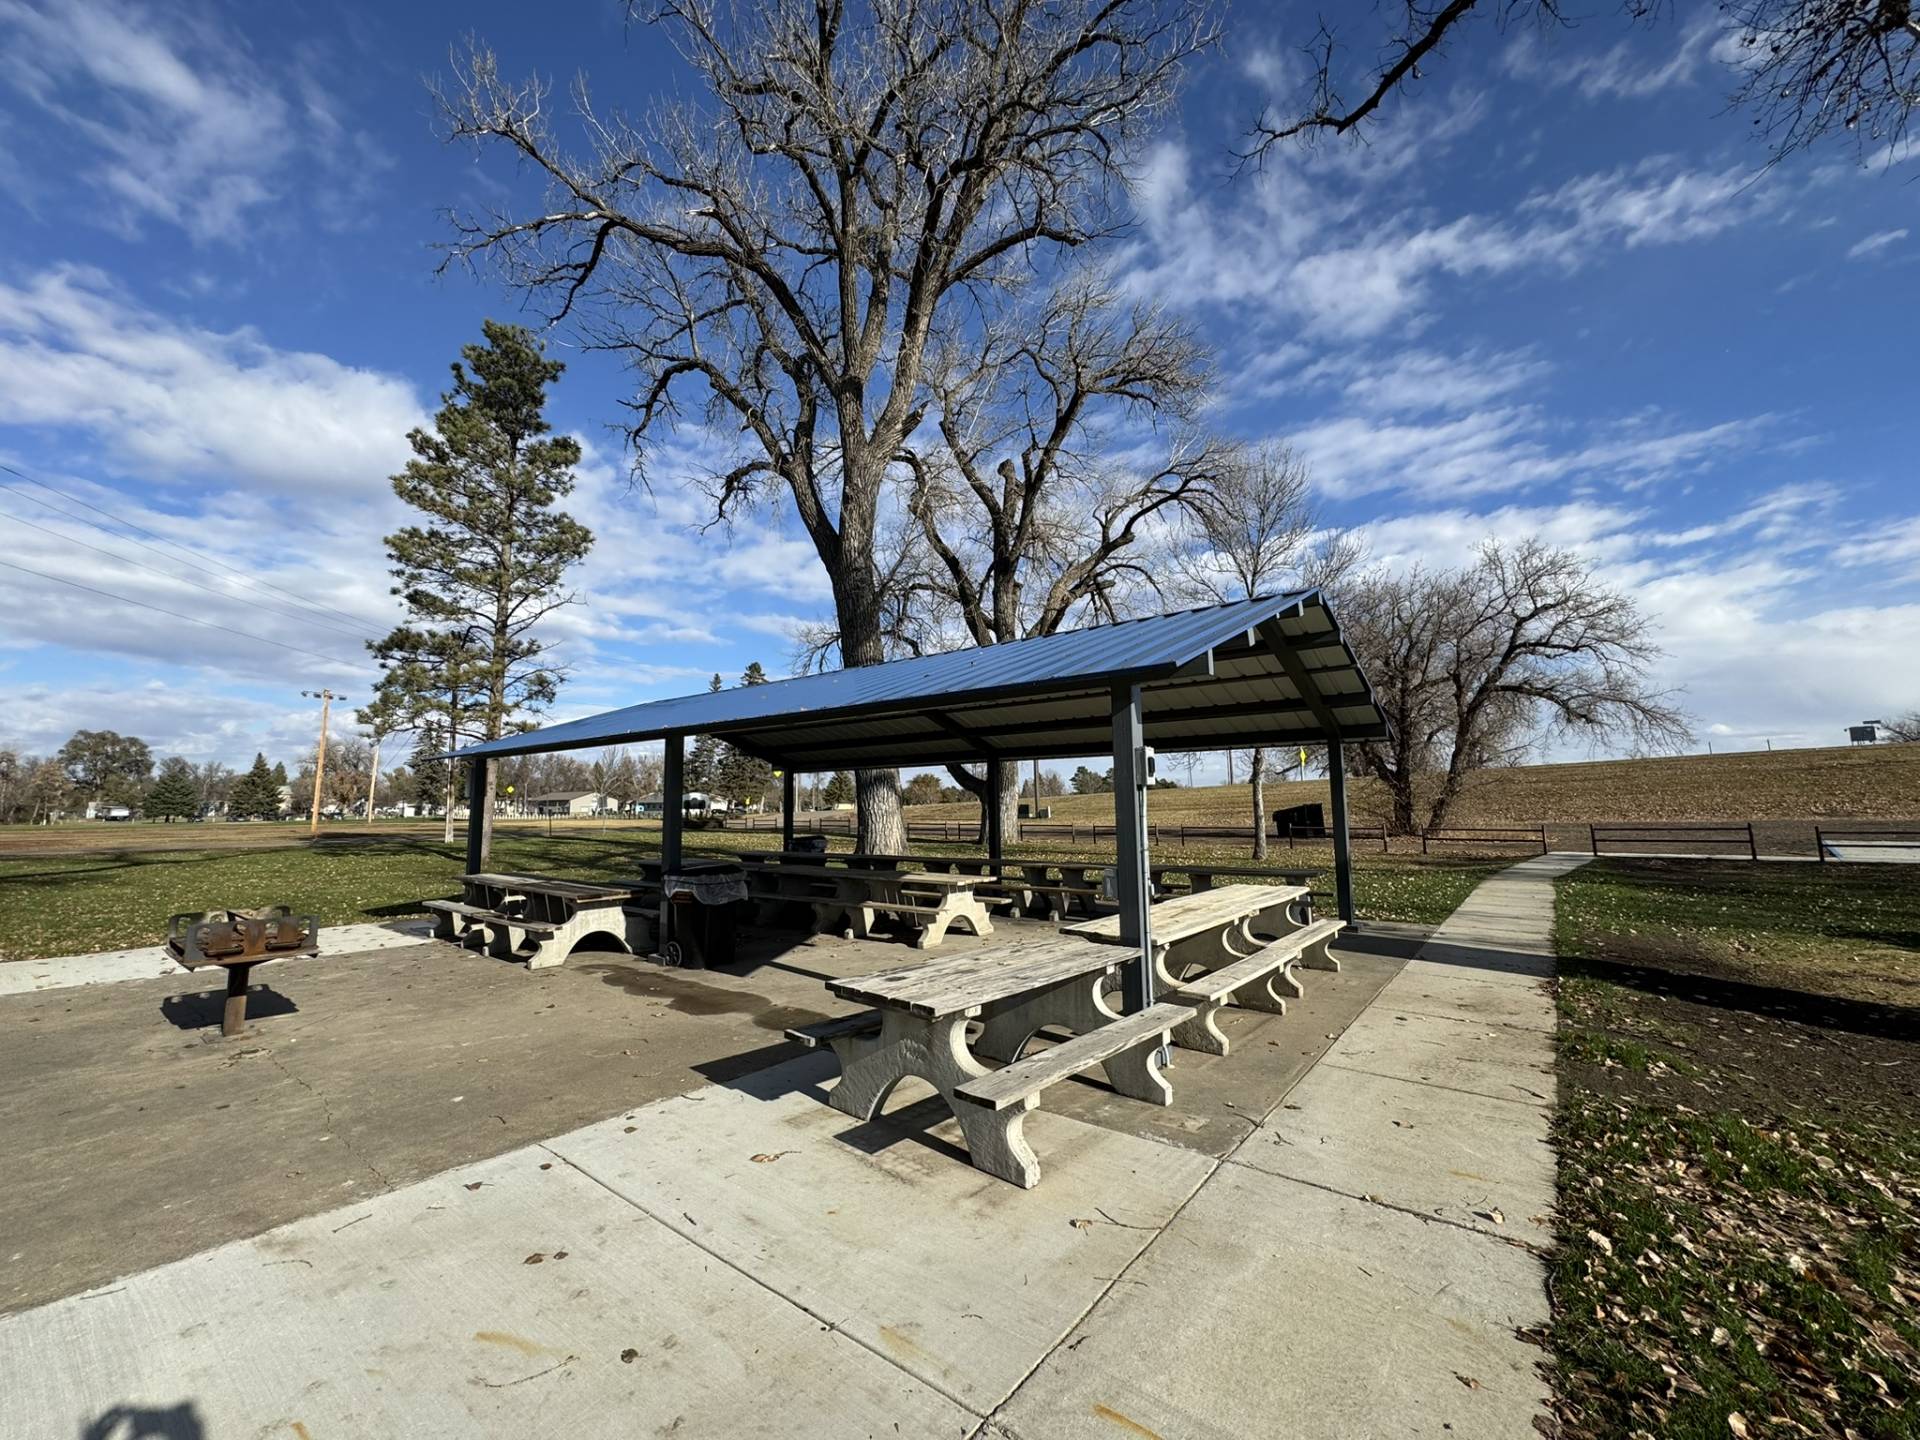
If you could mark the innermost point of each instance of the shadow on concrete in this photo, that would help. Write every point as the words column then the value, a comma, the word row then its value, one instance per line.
column 196, row 1012
column 1493, row 959
column 145, row 1422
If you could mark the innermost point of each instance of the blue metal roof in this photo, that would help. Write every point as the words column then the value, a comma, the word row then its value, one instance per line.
column 1031, row 694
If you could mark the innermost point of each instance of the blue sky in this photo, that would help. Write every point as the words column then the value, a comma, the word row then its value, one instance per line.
column 1556, row 293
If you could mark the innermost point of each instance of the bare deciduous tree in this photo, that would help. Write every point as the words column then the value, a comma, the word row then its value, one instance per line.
column 1029, row 496
column 1805, row 67
column 1905, row 729
column 781, row 252
column 1475, row 666
column 1254, row 533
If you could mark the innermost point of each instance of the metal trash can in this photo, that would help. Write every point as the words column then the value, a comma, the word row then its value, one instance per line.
column 810, row 844
column 705, row 897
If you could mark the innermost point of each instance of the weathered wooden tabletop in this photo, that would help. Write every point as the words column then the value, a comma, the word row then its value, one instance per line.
column 980, row 977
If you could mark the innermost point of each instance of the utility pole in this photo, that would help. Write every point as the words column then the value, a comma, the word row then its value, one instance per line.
column 373, row 781
column 326, row 699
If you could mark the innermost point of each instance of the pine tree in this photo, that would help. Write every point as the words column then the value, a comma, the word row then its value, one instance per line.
column 429, row 775
column 745, row 779
column 255, row 795
column 703, row 760
column 839, row 789
column 491, row 559
column 173, row 795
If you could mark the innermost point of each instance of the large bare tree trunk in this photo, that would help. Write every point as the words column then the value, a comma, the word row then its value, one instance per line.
column 882, row 830
column 1257, row 777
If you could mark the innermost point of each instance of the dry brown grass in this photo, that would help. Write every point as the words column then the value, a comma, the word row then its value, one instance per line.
column 1868, row 782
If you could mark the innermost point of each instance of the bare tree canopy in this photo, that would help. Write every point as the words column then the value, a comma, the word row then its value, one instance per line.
column 1058, row 432
column 781, row 253
column 1476, row 666
column 1803, row 68
column 1903, row 728
column 1254, row 532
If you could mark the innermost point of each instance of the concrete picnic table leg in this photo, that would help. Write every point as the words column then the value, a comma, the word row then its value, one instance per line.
column 233, row 1019
column 1076, row 1006
column 936, row 1052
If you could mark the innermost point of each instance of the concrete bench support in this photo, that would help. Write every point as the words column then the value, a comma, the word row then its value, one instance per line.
column 994, row 1108
column 1247, row 984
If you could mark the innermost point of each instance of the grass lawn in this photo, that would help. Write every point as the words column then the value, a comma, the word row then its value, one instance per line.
column 71, row 904
column 1739, row 1135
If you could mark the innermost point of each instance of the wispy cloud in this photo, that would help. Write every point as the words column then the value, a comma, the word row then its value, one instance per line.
column 1284, row 240
column 1875, row 243
column 174, row 119
column 1651, row 59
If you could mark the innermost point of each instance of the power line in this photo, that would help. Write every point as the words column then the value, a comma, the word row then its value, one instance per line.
column 171, row 545
column 138, row 565
column 190, row 619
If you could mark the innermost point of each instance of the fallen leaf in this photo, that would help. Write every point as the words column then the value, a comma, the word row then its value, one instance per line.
column 534, row 1259
column 1605, row 1245
column 475, row 1184
column 1081, row 1224
column 1467, row 1380
column 765, row 1159
column 629, row 1355
column 1736, row 1422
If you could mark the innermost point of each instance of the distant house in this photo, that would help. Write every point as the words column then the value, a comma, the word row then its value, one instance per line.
column 98, row 810
column 572, row 802
column 654, row 805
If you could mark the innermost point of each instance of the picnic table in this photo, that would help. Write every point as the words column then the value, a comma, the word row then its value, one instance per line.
column 852, row 899
column 1235, row 945
column 533, row 918
column 918, row 1027
column 1202, row 877
column 1028, row 883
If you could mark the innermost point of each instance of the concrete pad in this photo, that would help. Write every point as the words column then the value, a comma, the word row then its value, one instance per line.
column 1427, row 990
column 422, row 1314
column 1443, row 1153
column 1480, row 1060
column 153, row 962
column 1273, row 1309
column 883, row 1229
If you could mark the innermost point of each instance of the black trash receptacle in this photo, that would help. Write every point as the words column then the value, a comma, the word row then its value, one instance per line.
column 1300, row 819
column 810, row 844
column 706, row 900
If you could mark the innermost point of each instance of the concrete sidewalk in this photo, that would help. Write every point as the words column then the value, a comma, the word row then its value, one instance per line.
column 742, row 1260
column 152, row 962
column 1360, row 1265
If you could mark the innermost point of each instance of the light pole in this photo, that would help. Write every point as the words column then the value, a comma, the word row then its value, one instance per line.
column 326, row 699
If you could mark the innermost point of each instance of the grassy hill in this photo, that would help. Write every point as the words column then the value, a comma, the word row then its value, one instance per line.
column 1866, row 782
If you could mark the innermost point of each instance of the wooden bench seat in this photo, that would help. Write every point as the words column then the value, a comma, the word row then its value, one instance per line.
column 455, row 919
column 866, row 1022
column 1128, row 1049
column 1253, row 983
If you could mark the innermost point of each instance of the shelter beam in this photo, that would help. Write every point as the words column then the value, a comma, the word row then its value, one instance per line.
column 476, row 814
column 1131, row 880
column 1342, row 848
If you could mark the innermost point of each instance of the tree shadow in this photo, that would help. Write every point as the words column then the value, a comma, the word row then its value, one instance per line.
column 146, row 1422
column 1827, row 1012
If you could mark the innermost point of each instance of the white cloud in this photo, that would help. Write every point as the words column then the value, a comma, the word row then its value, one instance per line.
column 1509, row 447
column 1350, row 268
column 1756, row 645
column 1652, row 59
column 1875, row 243
column 178, row 121
column 167, row 399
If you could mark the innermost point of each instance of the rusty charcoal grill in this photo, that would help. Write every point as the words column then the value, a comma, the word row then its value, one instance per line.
column 239, row 940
